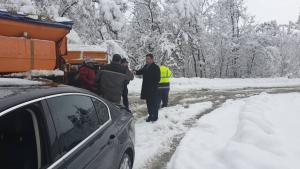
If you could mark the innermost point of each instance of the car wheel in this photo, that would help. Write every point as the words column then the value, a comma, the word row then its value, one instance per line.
column 125, row 162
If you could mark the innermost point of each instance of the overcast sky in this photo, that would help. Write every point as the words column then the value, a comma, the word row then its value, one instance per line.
column 282, row 11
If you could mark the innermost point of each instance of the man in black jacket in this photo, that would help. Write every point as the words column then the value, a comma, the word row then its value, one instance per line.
column 151, row 78
column 110, row 80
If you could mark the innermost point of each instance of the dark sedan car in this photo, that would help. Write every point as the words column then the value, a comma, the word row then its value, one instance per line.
column 56, row 126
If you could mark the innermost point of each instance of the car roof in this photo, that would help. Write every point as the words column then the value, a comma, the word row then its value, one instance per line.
column 14, row 94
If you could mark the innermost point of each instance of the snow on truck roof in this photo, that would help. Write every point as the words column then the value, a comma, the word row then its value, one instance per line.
column 87, row 48
column 26, row 19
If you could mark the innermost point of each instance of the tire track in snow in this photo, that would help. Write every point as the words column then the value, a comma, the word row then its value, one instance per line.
column 156, row 138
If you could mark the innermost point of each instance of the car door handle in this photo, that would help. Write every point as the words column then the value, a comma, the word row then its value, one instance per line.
column 111, row 139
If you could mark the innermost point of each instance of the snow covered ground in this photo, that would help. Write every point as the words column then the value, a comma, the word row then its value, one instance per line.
column 260, row 132
column 186, row 84
column 153, row 139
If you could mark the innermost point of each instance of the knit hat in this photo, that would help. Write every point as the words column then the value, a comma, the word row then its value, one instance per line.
column 116, row 58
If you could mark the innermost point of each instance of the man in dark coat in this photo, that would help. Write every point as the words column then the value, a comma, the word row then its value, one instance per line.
column 87, row 75
column 151, row 78
column 110, row 80
column 124, row 64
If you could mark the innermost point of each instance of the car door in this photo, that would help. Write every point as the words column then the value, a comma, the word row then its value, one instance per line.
column 108, row 158
column 84, row 139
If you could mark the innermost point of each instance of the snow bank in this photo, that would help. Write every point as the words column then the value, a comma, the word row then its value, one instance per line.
column 193, row 99
column 186, row 84
column 17, row 82
column 260, row 132
column 155, row 138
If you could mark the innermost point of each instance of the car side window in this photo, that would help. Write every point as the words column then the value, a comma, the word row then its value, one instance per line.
column 74, row 117
column 101, row 110
column 22, row 138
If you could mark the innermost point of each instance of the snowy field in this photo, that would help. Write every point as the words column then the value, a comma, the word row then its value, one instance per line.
column 153, row 139
column 186, row 84
column 260, row 132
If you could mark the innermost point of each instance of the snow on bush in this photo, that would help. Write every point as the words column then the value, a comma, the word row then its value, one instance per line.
column 259, row 132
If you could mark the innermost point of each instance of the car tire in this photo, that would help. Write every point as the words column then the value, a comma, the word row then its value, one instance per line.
column 125, row 162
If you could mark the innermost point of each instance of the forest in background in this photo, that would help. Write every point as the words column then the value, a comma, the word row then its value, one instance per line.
column 196, row 38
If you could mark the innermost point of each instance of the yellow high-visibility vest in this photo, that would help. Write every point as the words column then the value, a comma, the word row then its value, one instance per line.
column 165, row 74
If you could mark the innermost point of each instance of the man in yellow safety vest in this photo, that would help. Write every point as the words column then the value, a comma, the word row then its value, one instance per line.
column 164, row 85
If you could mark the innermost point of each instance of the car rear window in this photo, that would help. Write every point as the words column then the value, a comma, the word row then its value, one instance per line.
column 102, row 111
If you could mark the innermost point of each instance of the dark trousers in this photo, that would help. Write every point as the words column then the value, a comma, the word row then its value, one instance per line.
column 163, row 96
column 152, row 106
column 125, row 97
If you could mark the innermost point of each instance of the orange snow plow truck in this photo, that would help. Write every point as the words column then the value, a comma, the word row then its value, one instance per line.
column 30, row 44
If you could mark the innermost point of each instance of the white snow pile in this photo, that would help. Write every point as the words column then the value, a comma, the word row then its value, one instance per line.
column 155, row 138
column 260, row 132
column 56, row 72
column 38, row 73
column 88, row 48
column 192, row 99
column 17, row 82
column 186, row 84
column 62, row 19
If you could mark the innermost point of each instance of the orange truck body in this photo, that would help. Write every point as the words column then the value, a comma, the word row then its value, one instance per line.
column 30, row 44
column 76, row 57
column 21, row 55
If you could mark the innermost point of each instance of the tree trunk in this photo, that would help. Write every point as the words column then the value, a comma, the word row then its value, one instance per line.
column 195, row 64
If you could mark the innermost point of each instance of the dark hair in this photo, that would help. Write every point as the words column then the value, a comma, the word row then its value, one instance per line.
column 150, row 55
column 124, row 60
column 116, row 58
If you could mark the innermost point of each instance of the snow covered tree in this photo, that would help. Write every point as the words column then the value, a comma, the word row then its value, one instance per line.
column 144, row 31
column 196, row 38
column 18, row 6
